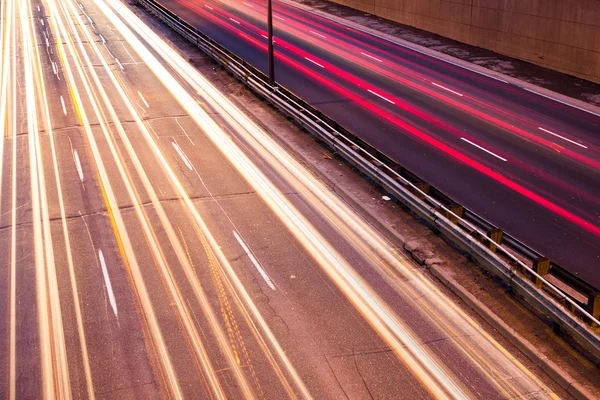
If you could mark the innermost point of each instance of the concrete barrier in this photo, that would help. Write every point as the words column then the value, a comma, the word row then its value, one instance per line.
column 563, row 35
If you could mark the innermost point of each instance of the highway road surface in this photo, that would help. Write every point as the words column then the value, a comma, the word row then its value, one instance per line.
column 156, row 243
column 524, row 162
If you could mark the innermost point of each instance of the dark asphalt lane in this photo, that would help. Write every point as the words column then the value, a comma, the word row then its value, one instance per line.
column 163, row 246
column 550, row 200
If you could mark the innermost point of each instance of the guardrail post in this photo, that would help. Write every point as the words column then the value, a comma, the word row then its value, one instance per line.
column 456, row 211
column 593, row 306
column 496, row 236
column 542, row 267
column 423, row 187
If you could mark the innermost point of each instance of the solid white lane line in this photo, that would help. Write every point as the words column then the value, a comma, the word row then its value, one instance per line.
column 249, row 5
column 380, row 96
column 370, row 56
column 562, row 102
column 182, row 155
column 237, row 22
column 318, row 34
column 143, row 99
column 562, row 137
column 62, row 102
column 261, row 271
column 314, row 62
column 207, row 6
column 111, row 295
column 445, row 88
column 484, row 149
column 78, row 165
column 278, row 17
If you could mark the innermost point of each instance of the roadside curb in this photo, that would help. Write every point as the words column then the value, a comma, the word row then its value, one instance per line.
column 562, row 378
column 530, row 87
column 565, row 380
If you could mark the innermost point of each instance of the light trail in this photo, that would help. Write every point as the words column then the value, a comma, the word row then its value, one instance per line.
column 415, row 357
column 88, row 93
column 112, row 205
column 351, row 45
column 150, row 61
column 184, row 314
column 368, row 236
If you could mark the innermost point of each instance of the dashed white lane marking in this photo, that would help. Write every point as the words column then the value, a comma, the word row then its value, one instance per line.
column 183, row 156
column 260, row 269
column 47, row 42
column 54, row 68
column 120, row 65
column 62, row 102
column 143, row 99
column 445, row 88
column 484, row 149
column 314, row 62
column 111, row 295
column 370, row 56
column 207, row 6
column 318, row 34
column 381, row 97
column 249, row 5
column 266, row 37
column 78, row 165
column 80, row 5
column 38, row 7
column 237, row 22
column 103, row 40
column 562, row 137
column 278, row 17
column 42, row 22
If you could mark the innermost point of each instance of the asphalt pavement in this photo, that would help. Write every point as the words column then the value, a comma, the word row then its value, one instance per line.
column 158, row 244
column 526, row 163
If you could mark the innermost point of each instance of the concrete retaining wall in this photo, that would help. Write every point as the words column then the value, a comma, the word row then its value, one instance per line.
column 563, row 35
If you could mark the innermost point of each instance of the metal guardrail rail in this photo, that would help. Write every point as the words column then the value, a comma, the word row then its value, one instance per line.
column 523, row 269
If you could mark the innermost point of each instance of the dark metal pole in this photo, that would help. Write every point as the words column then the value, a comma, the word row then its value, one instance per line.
column 270, row 39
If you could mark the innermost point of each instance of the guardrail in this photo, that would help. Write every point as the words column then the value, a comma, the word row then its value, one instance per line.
column 526, row 271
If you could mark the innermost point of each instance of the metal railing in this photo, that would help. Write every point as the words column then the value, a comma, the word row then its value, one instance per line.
column 522, row 268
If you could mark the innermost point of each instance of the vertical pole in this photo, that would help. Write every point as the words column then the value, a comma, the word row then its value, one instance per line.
column 270, row 39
